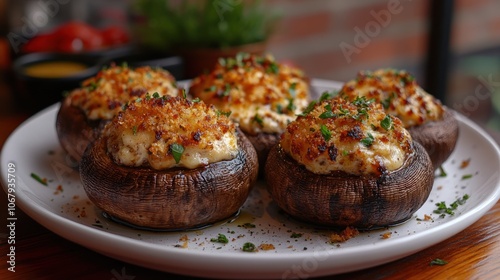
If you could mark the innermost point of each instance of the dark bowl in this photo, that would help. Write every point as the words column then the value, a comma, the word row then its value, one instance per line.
column 37, row 90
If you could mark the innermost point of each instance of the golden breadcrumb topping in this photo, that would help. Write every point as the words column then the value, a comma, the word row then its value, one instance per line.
column 358, row 138
column 261, row 94
column 399, row 94
column 102, row 96
column 165, row 132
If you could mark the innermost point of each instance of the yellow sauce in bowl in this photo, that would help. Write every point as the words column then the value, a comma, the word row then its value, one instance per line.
column 54, row 69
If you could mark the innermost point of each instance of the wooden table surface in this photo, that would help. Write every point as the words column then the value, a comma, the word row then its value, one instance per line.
column 40, row 254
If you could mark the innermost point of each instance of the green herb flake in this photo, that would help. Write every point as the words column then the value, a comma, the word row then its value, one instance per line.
column 327, row 134
column 196, row 100
column 221, row 238
column 327, row 95
column 249, row 247
column 466, row 176
column 308, row 109
column 211, row 88
column 290, row 107
column 362, row 101
column 368, row 140
column 184, row 93
column 442, row 172
column 386, row 123
column 156, row 95
column 444, row 210
column 258, row 119
column 176, row 150
column 134, row 129
column 296, row 235
column 39, row 179
column 439, row 262
column 219, row 113
column 273, row 68
column 386, row 103
column 292, row 89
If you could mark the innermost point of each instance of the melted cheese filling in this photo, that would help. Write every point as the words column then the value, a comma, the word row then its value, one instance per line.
column 356, row 140
column 145, row 134
column 260, row 100
column 399, row 94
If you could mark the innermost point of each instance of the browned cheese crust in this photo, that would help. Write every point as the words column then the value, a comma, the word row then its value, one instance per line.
column 87, row 109
column 429, row 122
column 262, row 95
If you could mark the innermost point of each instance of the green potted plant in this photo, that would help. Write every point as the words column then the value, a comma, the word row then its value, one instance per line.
column 202, row 31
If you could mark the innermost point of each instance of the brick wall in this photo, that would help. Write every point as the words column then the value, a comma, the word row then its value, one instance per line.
column 336, row 39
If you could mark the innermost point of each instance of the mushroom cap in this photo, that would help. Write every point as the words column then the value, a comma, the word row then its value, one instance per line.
column 171, row 199
column 340, row 199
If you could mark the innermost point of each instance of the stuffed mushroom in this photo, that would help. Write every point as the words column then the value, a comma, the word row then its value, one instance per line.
column 348, row 164
column 261, row 95
column 169, row 163
column 85, row 111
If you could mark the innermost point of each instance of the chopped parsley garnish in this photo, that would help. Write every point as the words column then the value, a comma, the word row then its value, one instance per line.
column 467, row 176
column 368, row 140
column 184, row 93
column 92, row 86
column 290, row 107
column 221, row 238
column 258, row 119
column 386, row 103
column 273, row 68
column 328, row 113
column 295, row 235
column 442, row 209
column 327, row 95
column 442, row 172
column 308, row 109
column 176, row 150
column 39, row 179
column 249, row 247
column 225, row 92
column 327, row 134
column 211, row 88
column 343, row 112
column 156, row 95
column 134, row 129
column 362, row 101
column 386, row 123
column 196, row 100
column 438, row 262
column 219, row 113
column 292, row 89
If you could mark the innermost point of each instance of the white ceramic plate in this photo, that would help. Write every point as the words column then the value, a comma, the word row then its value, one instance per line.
column 300, row 250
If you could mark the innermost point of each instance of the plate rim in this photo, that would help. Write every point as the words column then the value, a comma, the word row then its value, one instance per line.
column 49, row 219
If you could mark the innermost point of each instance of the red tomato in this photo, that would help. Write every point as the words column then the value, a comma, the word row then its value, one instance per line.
column 114, row 36
column 77, row 37
column 39, row 43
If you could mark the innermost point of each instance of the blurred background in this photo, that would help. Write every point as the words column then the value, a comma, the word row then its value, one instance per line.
column 451, row 47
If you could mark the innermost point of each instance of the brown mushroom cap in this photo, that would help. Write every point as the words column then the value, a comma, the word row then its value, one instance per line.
column 340, row 199
column 439, row 138
column 74, row 130
column 263, row 142
column 172, row 199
